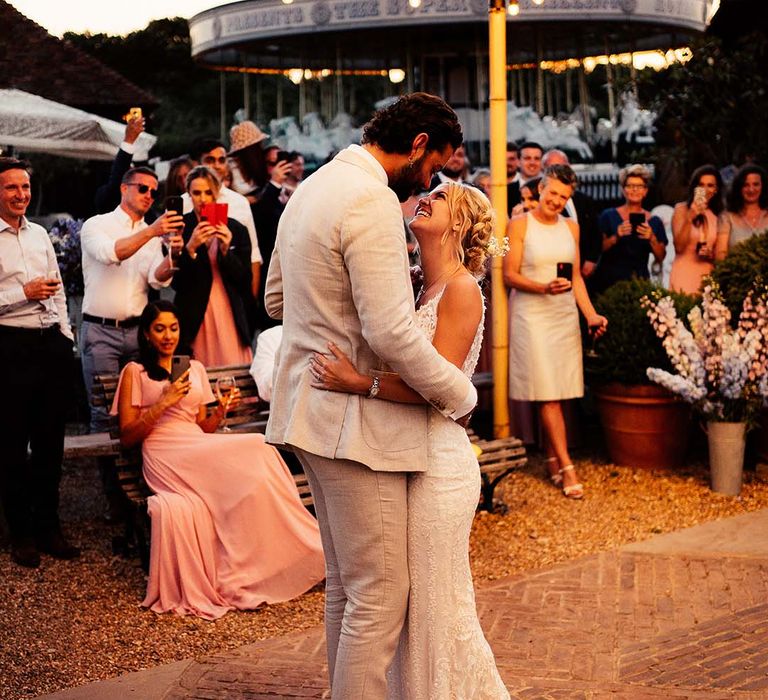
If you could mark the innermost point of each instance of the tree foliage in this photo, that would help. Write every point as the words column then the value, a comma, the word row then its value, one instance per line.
column 711, row 108
column 158, row 58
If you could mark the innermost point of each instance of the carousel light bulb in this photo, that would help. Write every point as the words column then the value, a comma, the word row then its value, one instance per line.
column 295, row 75
column 287, row 2
column 538, row 2
column 414, row 3
column 513, row 8
column 396, row 75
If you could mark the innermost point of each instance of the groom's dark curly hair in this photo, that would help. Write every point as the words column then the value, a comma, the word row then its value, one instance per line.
column 394, row 128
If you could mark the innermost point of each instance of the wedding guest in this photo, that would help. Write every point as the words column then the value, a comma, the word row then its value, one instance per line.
column 213, row 154
column 529, row 197
column 696, row 224
column 629, row 234
column 213, row 281
column 481, row 179
column 229, row 530
column 108, row 195
column 176, row 180
column 247, row 156
column 747, row 213
column 545, row 341
column 36, row 368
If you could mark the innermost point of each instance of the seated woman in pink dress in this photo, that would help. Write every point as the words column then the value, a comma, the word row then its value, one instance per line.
column 696, row 224
column 213, row 282
column 229, row 530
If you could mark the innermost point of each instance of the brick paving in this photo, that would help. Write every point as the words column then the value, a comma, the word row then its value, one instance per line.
column 620, row 625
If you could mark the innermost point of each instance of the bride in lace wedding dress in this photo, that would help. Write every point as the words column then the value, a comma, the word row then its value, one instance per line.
column 443, row 653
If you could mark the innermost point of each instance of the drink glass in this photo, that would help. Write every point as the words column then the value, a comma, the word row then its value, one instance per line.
column 51, row 313
column 224, row 387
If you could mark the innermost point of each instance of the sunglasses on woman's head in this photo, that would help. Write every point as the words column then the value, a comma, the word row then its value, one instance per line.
column 143, row 189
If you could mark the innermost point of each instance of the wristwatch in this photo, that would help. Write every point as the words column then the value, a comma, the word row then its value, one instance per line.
column 374, row 390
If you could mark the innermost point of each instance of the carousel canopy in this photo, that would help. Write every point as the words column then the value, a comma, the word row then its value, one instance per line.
column 33, row 124
column 371, row 34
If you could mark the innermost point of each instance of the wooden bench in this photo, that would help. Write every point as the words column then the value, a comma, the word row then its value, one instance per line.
column 497, row 459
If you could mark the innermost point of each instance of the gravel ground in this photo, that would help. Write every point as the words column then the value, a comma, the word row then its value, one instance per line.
column 69, row 623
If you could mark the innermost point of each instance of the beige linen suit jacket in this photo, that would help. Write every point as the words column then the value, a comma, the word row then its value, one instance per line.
column 339, row 272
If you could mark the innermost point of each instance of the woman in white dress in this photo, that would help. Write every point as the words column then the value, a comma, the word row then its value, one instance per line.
column 543, row 268
column 443, row 653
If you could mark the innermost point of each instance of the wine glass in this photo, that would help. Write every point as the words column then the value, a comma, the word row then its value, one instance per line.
column 224, row 388
column 591, row 353
column 50, row 303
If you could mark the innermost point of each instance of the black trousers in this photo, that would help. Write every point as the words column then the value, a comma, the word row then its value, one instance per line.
column 35, row 391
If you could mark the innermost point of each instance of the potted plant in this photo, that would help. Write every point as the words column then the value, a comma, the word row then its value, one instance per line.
column 721, row 371
column 644, row 424
column 746, row 263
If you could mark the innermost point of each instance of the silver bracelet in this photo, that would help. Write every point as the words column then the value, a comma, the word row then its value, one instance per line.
column 374, row 390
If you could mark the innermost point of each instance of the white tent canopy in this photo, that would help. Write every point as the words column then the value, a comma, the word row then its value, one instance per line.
column 33, row 124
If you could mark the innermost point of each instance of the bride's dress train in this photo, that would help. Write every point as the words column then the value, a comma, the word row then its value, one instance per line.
column 443, row 653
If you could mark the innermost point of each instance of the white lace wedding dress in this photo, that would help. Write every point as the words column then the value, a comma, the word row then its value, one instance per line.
column 443, row 654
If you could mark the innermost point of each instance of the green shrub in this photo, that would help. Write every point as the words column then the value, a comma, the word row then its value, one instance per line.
column 630, row 345
column 747, row 262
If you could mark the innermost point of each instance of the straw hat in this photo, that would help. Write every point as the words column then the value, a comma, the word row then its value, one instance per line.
column 245, row 134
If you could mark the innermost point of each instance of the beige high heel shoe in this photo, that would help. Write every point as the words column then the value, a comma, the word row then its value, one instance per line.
column 574, row 491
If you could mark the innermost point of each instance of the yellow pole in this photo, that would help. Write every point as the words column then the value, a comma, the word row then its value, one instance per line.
column 497, row 73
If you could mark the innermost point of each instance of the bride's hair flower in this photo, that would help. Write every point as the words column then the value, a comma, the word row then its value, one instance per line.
column 497, row 247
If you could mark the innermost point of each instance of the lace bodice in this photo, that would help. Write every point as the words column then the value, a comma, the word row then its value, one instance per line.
column 426, row 319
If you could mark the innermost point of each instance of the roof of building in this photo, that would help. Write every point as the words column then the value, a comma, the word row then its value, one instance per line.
column 35, row 61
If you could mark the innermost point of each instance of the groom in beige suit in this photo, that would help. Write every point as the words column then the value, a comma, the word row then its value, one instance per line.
column 339, row 272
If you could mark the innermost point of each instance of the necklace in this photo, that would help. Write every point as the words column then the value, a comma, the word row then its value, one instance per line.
column 753, row 221
column 425, row 288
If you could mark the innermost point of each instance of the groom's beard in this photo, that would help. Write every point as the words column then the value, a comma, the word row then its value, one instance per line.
column 408, row 180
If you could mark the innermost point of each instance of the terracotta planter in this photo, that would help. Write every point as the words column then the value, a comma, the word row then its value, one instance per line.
column 644, row 426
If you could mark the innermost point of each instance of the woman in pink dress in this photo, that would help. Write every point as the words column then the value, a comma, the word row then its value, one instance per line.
column 213, row 282
column 696, row 224
column 229, row 530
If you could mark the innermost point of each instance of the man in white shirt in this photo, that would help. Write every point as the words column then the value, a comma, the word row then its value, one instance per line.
column 122, row 258
column 213, row 154
column 36, row 365
column 531, row 154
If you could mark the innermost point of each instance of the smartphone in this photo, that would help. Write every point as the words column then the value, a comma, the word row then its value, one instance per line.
column 700, row 195
column 636, row 219
column 133, row 113
column 174, row 203
column 179, row 365
column 215, row 213
column 283, row 155
column 565, row 270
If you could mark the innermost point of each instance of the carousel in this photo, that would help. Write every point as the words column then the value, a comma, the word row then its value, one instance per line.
column 315, row 63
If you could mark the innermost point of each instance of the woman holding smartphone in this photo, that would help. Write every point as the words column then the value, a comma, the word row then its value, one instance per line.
column 696, row 224
column 229, row 530
column 630, row 234
column 213, row 282
column 543, row 269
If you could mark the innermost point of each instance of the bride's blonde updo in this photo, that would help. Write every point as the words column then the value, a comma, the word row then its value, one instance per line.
column 472, row 225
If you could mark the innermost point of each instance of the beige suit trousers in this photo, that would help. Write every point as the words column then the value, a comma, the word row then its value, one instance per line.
column 363, row 524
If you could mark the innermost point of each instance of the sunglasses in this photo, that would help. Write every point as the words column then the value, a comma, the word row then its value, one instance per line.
column 143, row 189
